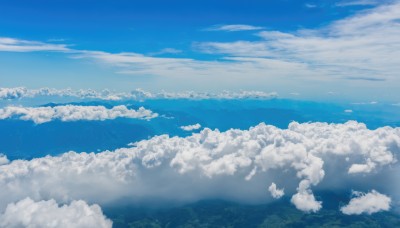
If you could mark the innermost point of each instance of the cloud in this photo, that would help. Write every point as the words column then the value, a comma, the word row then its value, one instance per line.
column 3, row 159
column 12, row 93
column 191, row 127
column 234, row 28
column 364, row 46
column 360, row 45
column 358, row 3
column 369, row 203
column 348, row 111
column 18, row 45
column 63, row 113
column 304, row 199
column 137, row 94
column 233, row 165
column 46, row 214
column 167, row 51
column 275, row 192
column 309, row 5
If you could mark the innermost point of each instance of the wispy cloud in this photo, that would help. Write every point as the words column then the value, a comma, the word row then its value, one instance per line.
column 365, row 46
column 17, row 45
column 166, row 51
column 310, row 5
column 358, row 3
column 234, row 28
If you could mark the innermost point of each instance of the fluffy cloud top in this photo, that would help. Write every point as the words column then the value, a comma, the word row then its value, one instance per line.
column 275, row 192
column 12, row 93
column 191, row 127
column 234, row 164
column 41, row 115
column 368, row 203
column 47, row 214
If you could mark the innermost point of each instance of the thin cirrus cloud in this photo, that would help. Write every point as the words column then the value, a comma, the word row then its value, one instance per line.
column 364, row 46
column 28, row 213
column 357, row 3
column 67, row 113
column 368, row 203
column 234, row 165
column 18, row 45
column 234, row 28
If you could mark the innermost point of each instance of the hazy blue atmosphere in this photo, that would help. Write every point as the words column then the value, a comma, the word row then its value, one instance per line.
column 199, row 113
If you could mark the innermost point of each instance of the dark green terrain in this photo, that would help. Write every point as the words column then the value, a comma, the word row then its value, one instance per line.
column 224, row 214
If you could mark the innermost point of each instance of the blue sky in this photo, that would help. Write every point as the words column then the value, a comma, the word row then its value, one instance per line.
column 315, row 49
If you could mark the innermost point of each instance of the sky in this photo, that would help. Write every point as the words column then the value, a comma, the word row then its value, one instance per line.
column 330, row 50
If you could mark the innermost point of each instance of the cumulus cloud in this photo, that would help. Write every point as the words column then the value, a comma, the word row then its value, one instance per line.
column 41, row 115
column 137, row 94
column 369, row 203
column 47, row 214
column 234, row 165
column 304, row 199
column 275, row 192
column 234, row 28
column 12, row 93
column 191, row 127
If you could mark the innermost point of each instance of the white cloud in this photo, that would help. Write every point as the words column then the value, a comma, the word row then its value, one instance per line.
column 167, row 51
column 348, row 111
column 137, row 94
column 3, row 159
column 17, row 45
column 191, row 127
column 362, row 47
column 358, row 3
column 234, row 28
column 369, row 203
column 46, row 214
column 234, row 165
column 12, row 93
column 304, row 199
column 41, row 115
column 275, row 192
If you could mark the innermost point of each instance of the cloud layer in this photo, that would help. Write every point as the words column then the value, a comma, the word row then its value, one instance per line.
column 137, row 94
column 48, row 214
column 41, row 115
column 235, row 165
